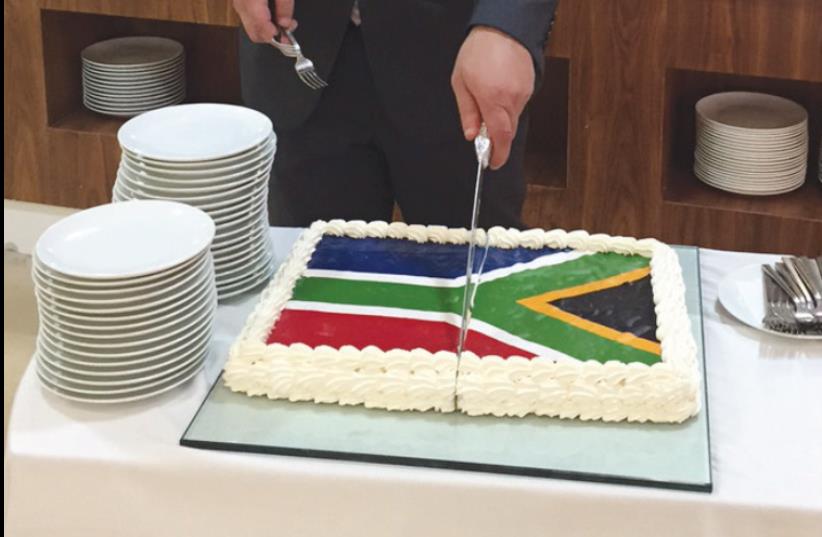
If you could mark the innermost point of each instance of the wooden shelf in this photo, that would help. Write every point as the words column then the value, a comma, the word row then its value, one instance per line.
column 212, row 74
column 82, row 120
column 683, row 187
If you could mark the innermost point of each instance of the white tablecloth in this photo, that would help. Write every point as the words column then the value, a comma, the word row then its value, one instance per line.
column 79, row 470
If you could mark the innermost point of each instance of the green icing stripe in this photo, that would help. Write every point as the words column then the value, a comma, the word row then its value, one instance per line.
column 496, row 304
column 369, row 293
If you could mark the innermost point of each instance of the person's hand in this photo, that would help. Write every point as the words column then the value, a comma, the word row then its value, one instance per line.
column 493, row 79
column 257, row 18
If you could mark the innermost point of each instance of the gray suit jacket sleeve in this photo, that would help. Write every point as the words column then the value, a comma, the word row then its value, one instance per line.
column 527, row 21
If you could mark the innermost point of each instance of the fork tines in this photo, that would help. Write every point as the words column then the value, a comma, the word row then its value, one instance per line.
column 303, row 66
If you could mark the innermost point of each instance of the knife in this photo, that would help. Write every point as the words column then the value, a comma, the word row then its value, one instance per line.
column 482, row 146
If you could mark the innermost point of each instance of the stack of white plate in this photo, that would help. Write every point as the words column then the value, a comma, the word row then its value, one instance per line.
column 751, row 143
column 126, row 298
column 218, row 158
column 130, row 75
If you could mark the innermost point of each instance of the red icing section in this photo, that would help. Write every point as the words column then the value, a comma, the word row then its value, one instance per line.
column 315, row 328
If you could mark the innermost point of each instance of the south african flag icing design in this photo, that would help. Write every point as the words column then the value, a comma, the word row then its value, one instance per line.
column 564, row 324
column 401, row 294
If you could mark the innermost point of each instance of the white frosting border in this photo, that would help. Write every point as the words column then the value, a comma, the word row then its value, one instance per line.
column 667, row 391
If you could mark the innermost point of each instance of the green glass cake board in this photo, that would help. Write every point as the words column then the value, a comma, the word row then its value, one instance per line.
column 674, row 456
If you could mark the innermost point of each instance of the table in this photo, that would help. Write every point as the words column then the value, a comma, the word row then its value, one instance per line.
column 79, row 470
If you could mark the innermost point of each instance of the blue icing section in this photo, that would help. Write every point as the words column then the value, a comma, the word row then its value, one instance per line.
column 397, row 256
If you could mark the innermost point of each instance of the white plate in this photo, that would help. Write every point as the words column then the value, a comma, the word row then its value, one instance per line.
column 257, row 206
column 132, row 52
column 127, row 338
column 60, row 293
column 126, row 301
column 125, row 240
column 99, row 399
column 199, row 342
column 247, row 236
column 234, row 290
column 157, row 350
column 114, row 324
column 742, row 294
column 252, row 164
column 195, row 132
column 106, row 76
column 117, row 285
column 204, row 164
column 132, row 81
column 740, row 110
column 135, row 104
column 135, row 101
column 94, row 69
column 126, row 97
column 122, row 315
column 112, row 288
column 731, row 187
column 234, row 276
column 107, row 391
column 232, row 186
column 753, row 137
column 747, row 181
column 107, row 372
column 73, row 376
column 103, row 331
column 204, row 203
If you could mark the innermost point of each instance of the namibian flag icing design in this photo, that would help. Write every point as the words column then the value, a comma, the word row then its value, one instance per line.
column 401, row 294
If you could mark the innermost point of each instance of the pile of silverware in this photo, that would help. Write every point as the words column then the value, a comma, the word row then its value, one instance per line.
column 793, row 295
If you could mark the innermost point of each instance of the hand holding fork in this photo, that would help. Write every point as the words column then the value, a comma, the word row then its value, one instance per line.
column 266, row 23
column 303, row 66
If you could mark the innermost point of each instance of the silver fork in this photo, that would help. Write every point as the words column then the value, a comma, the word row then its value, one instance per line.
column 812, row 277
column 303, row 66
column 775, row 318
column 785, row 284
column 805, row 305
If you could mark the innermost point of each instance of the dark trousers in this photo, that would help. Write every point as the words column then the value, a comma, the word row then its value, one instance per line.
column 348, row 160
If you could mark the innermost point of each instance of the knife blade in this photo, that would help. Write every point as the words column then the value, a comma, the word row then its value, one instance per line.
column 482, row 146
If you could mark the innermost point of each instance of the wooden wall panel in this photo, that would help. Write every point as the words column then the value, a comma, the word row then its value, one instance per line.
column 24, row 110
column 622, row 104
column 200, row 11
column 773, row 38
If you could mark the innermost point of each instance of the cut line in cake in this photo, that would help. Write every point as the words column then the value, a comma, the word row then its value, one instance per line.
column 567, row 325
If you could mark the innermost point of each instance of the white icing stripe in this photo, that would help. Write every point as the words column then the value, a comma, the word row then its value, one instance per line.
column 540, row 262
column 516, row 341
column 424, row 281
column 437, row 316
column 381, row 311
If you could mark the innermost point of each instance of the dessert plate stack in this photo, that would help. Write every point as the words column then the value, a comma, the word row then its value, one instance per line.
column 130, row 75
column 126, row 299
column 751, row 143
column 218, row 158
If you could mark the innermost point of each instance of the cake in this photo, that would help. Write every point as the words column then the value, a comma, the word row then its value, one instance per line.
column 564, row 324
